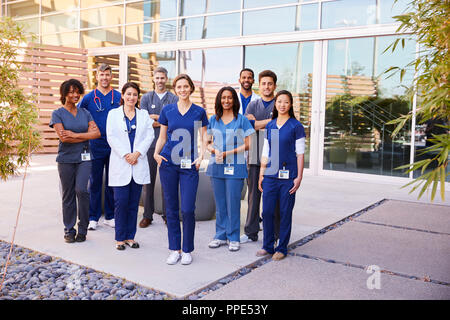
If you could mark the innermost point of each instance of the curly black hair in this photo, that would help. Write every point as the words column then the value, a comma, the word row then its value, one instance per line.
column 65, row 87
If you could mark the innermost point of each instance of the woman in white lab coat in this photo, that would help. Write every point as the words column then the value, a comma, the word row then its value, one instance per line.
column 129, row 133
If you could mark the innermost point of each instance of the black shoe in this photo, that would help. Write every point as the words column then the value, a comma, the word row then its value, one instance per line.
column 133, row 245
column 69, row 238
column 80, row 238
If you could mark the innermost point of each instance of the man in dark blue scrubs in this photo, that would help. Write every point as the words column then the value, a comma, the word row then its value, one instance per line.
column 99, row 102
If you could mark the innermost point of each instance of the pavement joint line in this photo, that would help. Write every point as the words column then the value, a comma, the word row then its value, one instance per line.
column 249, row 268
column 401, row 227
column 422, row 203
column 392, row 273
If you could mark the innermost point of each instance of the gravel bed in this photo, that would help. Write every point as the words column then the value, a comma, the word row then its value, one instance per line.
column 35, row 276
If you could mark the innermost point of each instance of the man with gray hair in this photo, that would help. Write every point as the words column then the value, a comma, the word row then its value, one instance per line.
column 153, row 102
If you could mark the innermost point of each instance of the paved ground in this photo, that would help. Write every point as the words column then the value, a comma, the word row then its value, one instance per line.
column 412, row 243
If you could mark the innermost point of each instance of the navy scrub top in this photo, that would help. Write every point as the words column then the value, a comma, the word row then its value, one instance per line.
column 289, row 133
column 181, row 127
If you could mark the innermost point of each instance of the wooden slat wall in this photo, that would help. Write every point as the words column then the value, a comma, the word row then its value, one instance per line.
column 46, row 68
column 353, row 85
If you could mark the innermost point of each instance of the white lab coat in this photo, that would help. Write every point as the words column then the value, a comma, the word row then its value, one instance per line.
column 253, row 98
column 120, row 171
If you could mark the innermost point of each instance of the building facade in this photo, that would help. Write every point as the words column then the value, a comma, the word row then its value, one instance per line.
column 329, row 53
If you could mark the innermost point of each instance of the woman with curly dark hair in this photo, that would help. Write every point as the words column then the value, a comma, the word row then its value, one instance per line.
column 74, row 127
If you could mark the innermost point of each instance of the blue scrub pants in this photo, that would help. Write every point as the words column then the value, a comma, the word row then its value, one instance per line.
column 95, row 189
column 171, row 177
column 277, row 189
column 126, row 205
column 227, row 193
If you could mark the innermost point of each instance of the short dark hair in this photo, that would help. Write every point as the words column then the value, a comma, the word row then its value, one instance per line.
column 103, row 67
column 186, row 77
column 130, row 85
column 249, row 70
column 268, row 73
column 218, row 106
column 291, row 100
column 65, row 87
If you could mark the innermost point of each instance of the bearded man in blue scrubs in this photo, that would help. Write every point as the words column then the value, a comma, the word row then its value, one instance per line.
column 99, row 102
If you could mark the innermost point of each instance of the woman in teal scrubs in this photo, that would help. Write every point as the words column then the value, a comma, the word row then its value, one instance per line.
column 229, row 133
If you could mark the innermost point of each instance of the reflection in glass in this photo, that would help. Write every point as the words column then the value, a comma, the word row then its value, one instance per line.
column 94, row 62
column 57, row 5
column 209, row 27
column 90, row 3
column 388, row 9
column 265, row 3
column 67, row 21
column 360, row 101
column 30, row 25
column 194, row 7
column 210, row 70
column 308, row 16
column 107, row 37
column 151, row 32
column 151, row 10
column 23, row 9
column 262, row 21
column 97, row 17
column 68, row 39
column 141, row 66
column 348, row 13
column 294, row 73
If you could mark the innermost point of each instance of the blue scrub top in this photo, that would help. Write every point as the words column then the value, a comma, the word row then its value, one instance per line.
column 99, row 111
column 131, row 131
column 182, row 127
column 291, row 131
column 228, row 137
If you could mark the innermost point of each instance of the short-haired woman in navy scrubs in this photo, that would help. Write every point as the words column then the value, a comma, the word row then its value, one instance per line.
column 176, row 153
column 129, row 131
column 281, row 172
column 230, row 132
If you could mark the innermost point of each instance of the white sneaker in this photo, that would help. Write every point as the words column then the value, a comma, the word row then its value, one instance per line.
column 173, row 257
column 110, row 223
column 244, row 239
column 186, row 258
column 216, row 243
column 92, row 225
column 234, row 246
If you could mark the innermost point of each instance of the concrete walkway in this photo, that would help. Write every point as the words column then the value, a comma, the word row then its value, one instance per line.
column 321, row 202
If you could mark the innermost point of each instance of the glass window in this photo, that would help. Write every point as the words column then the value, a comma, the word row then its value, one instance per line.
column 151, row 10
column 265, row 3
column 106, row 37
column 141, row 66
column 23, row 8
column 208, row 27
column 388, row 9
column 151, row 32
column 309, row 19
column 194, row 7
column 360, row 101
column 30, row 25
column 57, row 5
column 263, row 21
column 211, row 69
column 68, row 39
column 90, row 3
column 60, row 22
column 348, row 13
column 294, row 73
column 97, row 17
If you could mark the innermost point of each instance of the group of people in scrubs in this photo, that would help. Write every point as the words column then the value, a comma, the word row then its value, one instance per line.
column 250, row 137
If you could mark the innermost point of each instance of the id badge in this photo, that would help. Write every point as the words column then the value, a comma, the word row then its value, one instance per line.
column 85, row 156
column 283, row 174
column 228, row 170
column 186, row 164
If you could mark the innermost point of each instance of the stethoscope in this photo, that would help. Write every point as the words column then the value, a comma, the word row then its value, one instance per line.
column 133, row 127
column 100, row 108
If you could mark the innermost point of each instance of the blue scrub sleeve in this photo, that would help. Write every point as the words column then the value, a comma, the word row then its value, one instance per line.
column 247, row 126
column 299, row 132
column 204, row 119
column 56, row 118
column 163, row 117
